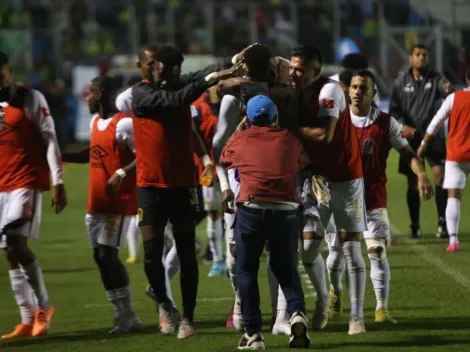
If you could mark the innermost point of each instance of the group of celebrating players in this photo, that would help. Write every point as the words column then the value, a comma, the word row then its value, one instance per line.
column 153, row 144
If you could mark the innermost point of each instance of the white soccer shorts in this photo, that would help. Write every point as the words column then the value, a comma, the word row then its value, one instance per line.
column 378, row 224
column 17, row 204
column 212, row 197
column 456, row 174
column 109, row 229
column 347, row 206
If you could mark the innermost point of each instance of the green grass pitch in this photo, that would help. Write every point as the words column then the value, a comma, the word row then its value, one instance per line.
column 429, row 291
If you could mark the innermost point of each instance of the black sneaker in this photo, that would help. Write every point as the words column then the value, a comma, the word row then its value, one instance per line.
column 416, row 232
column 255, row 342
column 442, row 229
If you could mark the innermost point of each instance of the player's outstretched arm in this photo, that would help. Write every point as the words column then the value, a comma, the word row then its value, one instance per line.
column 436, row 124
column 82, row 157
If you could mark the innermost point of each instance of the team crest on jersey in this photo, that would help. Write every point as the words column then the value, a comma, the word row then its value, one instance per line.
column 368, row 147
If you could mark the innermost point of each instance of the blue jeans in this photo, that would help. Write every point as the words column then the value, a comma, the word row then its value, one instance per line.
column 282, row 229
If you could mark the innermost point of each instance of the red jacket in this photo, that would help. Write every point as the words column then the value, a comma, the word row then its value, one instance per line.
column 267, row 160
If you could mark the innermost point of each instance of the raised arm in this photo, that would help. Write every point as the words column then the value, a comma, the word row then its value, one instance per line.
column 195, row 76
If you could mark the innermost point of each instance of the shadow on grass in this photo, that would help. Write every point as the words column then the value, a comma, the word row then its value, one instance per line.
column 69, row 270
column 102, row 334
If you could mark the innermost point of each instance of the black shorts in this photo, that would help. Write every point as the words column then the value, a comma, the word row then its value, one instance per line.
column 158, row 205
column 435, row 154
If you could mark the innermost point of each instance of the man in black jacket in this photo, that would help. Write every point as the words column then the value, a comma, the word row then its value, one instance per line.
column 416, row 96
column 164, row 148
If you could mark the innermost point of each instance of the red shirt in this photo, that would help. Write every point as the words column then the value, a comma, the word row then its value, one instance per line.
column 164, row 148
column 23, row 162
column 106, row 156
column 458, row 147
column 267, row 160
column 339, row 160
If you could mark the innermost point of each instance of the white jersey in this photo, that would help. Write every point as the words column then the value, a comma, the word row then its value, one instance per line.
column 395, row 136
column 124, row 101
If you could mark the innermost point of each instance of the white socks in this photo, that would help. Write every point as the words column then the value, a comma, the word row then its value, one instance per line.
column 23, row 294
column 380, row 276
column 356, row 276
column 121, row 299
column 314, row 265
column 133, row 241
column 215, row 233
column 36, row 280
column 336, row 266
column 172, row 262
column 453, row 218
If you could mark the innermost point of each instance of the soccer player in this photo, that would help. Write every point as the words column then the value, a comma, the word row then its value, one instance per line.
column 112, row 196
column 456, row 108
column 331, row 143
column 163, row 132
column 378, row 132
column 29, row 156
column 268, row 209
column 416, row 96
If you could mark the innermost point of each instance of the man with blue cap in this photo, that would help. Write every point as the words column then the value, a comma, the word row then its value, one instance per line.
column 267, row 159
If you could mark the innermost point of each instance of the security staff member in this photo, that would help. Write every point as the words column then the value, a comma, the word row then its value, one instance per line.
column 416, row 96
column 267, row 159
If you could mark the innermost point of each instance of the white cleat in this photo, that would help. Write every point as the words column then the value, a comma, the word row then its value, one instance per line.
column 299, row 331
column 166, row 319
column 281, row 327
column 356, row 325
column 255, row 342
column 186, row 329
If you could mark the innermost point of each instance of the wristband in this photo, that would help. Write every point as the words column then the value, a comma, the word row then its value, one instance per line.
column 223, row 180
column 206, row 160
column 423, row 142
column 121, row 173
column 235, row 59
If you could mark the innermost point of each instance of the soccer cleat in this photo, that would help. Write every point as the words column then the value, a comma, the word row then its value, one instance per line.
column 382, row 316
column 320, row 316
column 131, row 260
column 281, row 328
column 42, row 321
column 255, row 342
column 125, row 324
column 151, row 294
column 356, row 325
column 186, row 329
column 336, row 306
column 21, row 330
column 217, row 269
column 166, row 319
column 453, row 247
column 442, row 229
column 416, row 232
column 299, row 331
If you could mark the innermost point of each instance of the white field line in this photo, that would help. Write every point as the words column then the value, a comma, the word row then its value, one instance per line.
column 425, row 254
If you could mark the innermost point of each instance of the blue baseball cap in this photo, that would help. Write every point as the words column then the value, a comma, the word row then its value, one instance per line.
column 260, row 108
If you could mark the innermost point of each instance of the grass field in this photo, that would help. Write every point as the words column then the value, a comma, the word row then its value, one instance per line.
column 428, row 292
